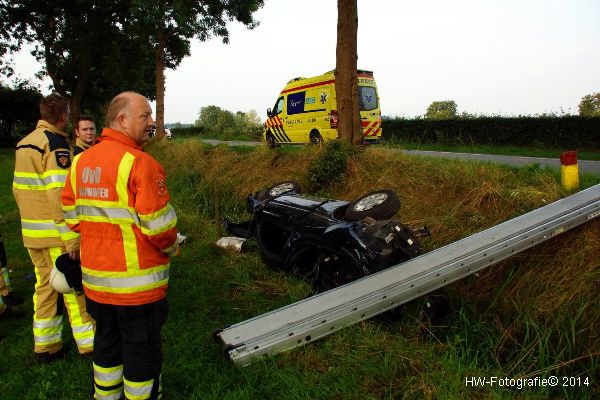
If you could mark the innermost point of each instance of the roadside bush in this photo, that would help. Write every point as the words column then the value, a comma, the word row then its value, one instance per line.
column 330, row 165
column 225, row 125
column 188, row 131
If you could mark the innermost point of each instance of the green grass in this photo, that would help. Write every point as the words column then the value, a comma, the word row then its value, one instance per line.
column 492, row 332
column 497, row 150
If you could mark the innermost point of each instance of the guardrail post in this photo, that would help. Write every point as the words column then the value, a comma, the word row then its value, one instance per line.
column 569, row 170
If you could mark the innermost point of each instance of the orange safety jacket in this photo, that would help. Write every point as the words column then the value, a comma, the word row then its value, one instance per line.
column 116, row 198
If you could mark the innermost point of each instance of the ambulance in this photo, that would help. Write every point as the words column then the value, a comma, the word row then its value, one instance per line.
column 306, row 111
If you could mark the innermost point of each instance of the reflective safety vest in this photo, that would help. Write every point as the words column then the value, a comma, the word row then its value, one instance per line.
column 116, row 198
column 42, row 160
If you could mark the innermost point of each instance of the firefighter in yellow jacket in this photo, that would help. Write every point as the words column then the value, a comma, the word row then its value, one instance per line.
column 42, row 162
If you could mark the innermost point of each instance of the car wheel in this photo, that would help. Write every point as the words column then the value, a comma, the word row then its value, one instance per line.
column 284, row 188
column 321, row 266
column 302, row 261
column 382, row 204
column 315, row 138
column 271, row 241
column 334, row 269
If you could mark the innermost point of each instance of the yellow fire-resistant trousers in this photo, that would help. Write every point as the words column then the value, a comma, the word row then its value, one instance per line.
column 48, row 308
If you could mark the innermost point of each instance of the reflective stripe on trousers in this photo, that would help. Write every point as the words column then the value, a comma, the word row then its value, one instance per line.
column 141, row 390
column 47, row 331
column 83, row 332
column 47, row 304
column 108, row 382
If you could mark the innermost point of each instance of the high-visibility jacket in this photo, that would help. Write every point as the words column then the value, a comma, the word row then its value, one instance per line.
column 116, row 198
column 42, row 161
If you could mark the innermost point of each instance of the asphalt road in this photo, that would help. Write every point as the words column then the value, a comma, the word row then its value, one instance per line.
column 590, row 167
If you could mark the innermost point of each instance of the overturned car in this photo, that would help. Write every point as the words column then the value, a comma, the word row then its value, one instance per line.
column 327, row 242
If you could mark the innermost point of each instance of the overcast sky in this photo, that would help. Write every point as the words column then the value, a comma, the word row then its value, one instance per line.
column 506, row 57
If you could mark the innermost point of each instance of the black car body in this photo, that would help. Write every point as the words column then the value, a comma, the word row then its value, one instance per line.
column 328, row 242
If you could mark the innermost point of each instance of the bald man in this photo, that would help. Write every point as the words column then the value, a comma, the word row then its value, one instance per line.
column 116, row 198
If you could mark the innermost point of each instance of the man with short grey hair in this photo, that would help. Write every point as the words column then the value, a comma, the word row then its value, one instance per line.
column 117, row 199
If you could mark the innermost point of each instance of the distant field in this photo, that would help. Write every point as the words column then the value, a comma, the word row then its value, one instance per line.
column 536, row 314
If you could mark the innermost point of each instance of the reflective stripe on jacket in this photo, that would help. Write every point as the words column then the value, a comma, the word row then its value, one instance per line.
column 42, row 160
column 116, row 198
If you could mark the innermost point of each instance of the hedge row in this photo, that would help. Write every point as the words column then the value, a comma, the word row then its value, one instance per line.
column 188, row 131
column 254, row 132
column 555, row 132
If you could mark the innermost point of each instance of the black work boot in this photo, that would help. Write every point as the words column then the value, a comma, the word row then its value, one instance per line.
column 9, row 313
column 47, row 358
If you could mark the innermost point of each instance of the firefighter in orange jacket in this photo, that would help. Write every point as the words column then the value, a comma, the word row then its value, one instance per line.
column 41, row 164
column 116, row 198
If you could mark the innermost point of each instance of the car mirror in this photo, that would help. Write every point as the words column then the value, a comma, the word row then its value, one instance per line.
column 269, row 113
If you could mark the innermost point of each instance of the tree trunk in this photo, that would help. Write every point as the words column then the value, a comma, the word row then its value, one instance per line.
column 80, row 87
column 160, row 81
column 77, row 97
column 346, row 80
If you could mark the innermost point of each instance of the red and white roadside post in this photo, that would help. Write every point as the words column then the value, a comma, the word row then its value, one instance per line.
column 569, row 170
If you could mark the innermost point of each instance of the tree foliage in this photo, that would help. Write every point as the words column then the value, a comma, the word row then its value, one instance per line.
column 445, row 109
column 94, row 49
column 169, row 27
column 589, row 106
column 82, row 47
column 19, row 111
column 223, row 123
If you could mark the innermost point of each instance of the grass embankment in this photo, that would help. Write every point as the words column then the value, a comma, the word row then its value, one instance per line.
column 536, row 314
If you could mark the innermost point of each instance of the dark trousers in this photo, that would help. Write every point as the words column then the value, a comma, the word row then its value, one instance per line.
column 129, row 336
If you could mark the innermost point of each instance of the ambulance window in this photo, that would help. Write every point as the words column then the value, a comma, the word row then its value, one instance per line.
column 367, row 98
column 295, row 103
column 278, row 106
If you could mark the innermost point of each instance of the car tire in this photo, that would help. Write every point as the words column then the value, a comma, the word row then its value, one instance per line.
column 285, row 187
column 267, row 253
column 301, row 261
column 336, row 269
column 379, row 205
column 315, row 138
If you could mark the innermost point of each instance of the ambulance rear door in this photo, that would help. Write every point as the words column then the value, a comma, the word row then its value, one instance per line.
column 370, row 112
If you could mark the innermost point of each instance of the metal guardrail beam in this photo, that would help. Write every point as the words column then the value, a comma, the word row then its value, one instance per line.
column 323, row 314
